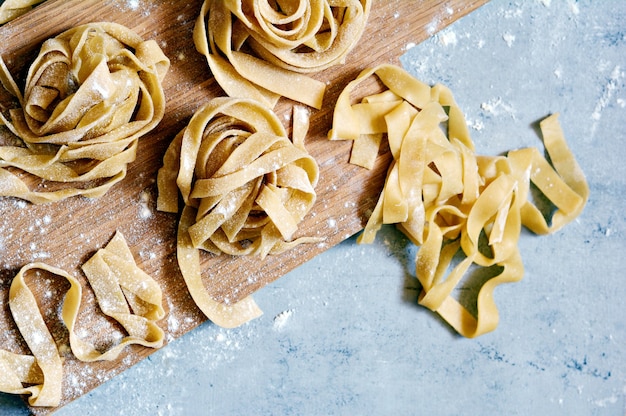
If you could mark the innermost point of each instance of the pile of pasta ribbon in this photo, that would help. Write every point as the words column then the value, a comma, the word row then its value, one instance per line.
column 123, row 291
column 89, row 95
column 260, row 49
column 447, row 199
column 245, row 185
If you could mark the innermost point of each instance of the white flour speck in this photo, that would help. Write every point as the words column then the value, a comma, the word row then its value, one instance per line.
column 448, row 38
column 281, row 319
column 607, row 93
column 145, row 212
column 509, row 39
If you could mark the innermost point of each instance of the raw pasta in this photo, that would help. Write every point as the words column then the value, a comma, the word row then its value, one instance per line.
column 447, row 199
column 260, row 50
column 116, row 280
column 125, row 293
column 11, row 9
column 90, row 94
column 245, row 188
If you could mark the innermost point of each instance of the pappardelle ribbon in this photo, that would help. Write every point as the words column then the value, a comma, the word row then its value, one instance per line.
column 11, row 9
column 447, row 199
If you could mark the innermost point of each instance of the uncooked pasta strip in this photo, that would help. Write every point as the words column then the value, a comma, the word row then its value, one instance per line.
column 123, row 291
column 11, row 9
column 227, row 316
column 245, row 186
column 447, row 199
column 42, row 378
column 259, row 50
column 90, row 94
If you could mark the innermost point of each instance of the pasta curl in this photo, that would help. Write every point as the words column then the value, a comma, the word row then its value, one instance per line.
column 11, row 9
column 244, row 184
column 89, row 95
column 259, row 49
column 447, row 199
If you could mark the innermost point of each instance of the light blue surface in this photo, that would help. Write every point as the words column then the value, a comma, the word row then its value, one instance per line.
column 342, row 335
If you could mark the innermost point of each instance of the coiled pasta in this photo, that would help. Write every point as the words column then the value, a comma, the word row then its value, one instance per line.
column 260, row 49
column 245, row 186
column 90, row 94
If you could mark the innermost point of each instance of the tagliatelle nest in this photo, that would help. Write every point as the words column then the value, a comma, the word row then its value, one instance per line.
column 261, row 49
column 89, row 95
column 247, row 182
column 245, row 186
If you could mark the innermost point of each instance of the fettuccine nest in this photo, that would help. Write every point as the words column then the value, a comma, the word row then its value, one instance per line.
column 89, row 95
column 260, row 49
column 247, row 184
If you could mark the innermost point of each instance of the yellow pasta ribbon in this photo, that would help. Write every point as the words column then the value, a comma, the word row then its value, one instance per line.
column 90, row 94
column 245, row 187
column 38, row 375
column 260, row 50
column 447, row 199
column 117, row 283
column 125, row 293
column 11, row 9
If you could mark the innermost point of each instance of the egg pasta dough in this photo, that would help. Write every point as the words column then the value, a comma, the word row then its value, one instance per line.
column 260, row 50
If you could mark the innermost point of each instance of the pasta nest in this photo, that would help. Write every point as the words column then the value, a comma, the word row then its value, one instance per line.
column 254, row 45
column 89, row 95
column 247, row 184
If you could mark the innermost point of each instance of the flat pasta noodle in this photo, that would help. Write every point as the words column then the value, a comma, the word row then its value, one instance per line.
column 125, row 293
column 116, row 280
column 259, row 49
column 245, row 187
column 12, row 9
column 90, row 94
column 447, row 199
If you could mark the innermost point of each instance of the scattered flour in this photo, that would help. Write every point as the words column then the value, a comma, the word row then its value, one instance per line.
column 497, row 107
column 609, row 90
column 509, row 39
column 144, row 200
column 282, row 319
column 448, row 38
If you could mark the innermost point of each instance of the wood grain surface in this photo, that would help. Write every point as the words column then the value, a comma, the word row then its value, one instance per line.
column 65, row 234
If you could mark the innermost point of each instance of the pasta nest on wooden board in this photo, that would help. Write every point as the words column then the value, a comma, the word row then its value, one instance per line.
column 260, row 49
column 245, row 188
column 89, row 95
column 247, row 183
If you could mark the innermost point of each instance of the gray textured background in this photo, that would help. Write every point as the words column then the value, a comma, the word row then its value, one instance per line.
column 342, row 335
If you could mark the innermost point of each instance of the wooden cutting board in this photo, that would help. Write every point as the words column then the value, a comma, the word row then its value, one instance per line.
column 67, row 233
